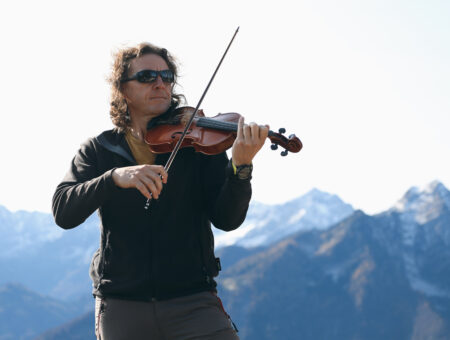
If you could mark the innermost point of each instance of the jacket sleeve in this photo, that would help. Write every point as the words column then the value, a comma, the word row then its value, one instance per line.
column 227, row 198
column 82, row 190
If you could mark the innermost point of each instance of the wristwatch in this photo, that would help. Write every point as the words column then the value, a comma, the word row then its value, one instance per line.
column 244, row 171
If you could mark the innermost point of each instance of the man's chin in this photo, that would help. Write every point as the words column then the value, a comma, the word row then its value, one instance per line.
column 157, row 110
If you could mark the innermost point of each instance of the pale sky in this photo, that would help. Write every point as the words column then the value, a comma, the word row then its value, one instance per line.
column 364, row 84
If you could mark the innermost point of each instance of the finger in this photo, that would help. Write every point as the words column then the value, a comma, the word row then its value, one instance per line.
column 152, row 186
column 164, row 175
column 264, row 131
column 155, row 179
column 143, row 189
column 240, row 133
column 254, row 131
column 247, row 133
column 155, row 173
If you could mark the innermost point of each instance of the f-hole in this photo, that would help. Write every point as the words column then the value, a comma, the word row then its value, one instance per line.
column 174, row 135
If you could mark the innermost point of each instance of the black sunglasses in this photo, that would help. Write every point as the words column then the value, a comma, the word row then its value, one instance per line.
column 150, row 76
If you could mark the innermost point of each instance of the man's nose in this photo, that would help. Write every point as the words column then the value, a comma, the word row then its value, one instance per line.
column 159, row 82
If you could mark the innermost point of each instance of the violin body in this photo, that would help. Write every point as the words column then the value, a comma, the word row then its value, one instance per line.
column 210, row 136
column 163, row 138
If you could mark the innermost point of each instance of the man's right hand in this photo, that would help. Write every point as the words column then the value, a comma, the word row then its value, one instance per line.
column 148, row 179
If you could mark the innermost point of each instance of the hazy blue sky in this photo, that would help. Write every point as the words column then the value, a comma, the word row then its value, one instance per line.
column 364, row 84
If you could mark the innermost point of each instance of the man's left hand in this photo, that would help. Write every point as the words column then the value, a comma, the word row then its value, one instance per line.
column 250, row 139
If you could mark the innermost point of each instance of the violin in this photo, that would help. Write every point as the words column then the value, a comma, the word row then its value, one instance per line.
column 208, row 135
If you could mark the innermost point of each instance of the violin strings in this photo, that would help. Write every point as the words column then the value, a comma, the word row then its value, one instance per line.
column 218, row 125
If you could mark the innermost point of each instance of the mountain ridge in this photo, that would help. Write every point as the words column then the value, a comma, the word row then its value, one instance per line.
column 64, row 255
column 337, row 275
column 349, row 267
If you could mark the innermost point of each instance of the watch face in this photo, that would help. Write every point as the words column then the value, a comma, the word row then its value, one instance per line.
column 244, row 172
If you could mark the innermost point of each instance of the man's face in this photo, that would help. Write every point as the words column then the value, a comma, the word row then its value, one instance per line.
column 144, row 99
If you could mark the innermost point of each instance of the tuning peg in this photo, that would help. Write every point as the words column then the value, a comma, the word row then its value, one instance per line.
column 284, row 153
column 274, row 146
column 281, row 130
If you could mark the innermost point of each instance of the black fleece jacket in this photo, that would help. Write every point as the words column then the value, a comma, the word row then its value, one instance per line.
column 167, row 250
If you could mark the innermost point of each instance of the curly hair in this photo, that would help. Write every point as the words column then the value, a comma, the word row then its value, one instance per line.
column 122, row 59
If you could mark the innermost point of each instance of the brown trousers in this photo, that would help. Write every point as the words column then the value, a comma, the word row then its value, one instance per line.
column 199, row 316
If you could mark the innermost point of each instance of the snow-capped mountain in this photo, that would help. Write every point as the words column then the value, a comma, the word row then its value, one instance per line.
column 421, row 205
column 335, row 275
column 365, row 277
column 385, row 276
column 267, row 224
column 422, row 217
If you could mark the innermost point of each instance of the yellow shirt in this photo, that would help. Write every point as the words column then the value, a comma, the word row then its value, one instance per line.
column 140, row 149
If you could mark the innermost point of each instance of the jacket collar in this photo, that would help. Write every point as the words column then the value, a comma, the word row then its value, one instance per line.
column 115, row 141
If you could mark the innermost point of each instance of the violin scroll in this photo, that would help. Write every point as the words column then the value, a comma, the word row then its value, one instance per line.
column 291, row 144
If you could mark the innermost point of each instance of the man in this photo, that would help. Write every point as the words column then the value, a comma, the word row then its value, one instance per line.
column 153, row 272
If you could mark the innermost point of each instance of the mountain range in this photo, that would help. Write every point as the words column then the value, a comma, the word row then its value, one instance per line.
column 54, row 262
column 367, row 277
column 312, row 268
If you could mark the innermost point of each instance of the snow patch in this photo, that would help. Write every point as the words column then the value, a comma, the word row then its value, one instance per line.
column 297, row 217
column 223, row 238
